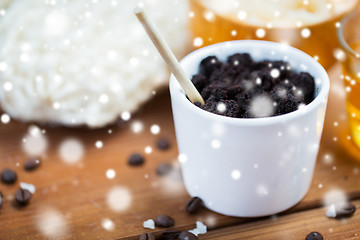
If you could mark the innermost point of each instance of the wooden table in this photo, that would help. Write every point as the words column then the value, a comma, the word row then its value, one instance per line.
column 78, row 201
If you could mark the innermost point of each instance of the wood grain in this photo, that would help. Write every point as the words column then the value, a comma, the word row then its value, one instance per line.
column 293, row 226
column 71, row 200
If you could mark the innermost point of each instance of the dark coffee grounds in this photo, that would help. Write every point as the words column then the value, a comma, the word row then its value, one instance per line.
column 244, row 88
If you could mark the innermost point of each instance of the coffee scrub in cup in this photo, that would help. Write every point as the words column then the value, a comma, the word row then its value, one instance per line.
column 251, row 149
column 309, row 25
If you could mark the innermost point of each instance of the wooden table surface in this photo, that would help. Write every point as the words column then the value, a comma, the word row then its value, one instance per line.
column 78, row 201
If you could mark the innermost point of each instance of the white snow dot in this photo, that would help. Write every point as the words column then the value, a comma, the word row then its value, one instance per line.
column 118, row 199
column 137, row 127
column 261, row 106
column 301, row 106
column 258, row 81
column 24, row 57
column 56, row 105
column 110, row 173
column 107, row 224
column 209, row 16
column 3, row 66
column 134, row 61
column 221, row 107
column 275, row 73
column 235, row 174
column 5, row 118
column 182, row 158
column 148, row 149
column 334, row 196
column 71, row 150
column 339, row 54
column 34, row 143
column 125, row 115
column 198, row 42
column 99, row 144
column 51, row 223
column 260, row 33
column 305, row 33
column 233, row 33
column 242, row 15
column 215, row 143
column 103, row 98
column 262, row 190
column 337, row 24
column 320, row 185
column 155, row 129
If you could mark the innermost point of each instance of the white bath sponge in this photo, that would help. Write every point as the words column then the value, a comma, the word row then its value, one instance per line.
column 83, row 62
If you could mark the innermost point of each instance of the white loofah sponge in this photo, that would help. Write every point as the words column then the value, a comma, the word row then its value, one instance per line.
column 83, row 62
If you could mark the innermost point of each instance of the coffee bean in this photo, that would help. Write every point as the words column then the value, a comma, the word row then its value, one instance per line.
column 164, row 221
column 314, row 236
column 147, row 236
column 344, row 210
column 169, row 235
column 163, row 144
column 164, row 169
column 22, row 196
column 194, row 205
column 8, row 176
column 1, row 199
column 187, row 236
column 136, row 160
column 31, row 164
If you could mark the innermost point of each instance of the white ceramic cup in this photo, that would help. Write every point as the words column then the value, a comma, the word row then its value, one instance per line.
column 249, row 167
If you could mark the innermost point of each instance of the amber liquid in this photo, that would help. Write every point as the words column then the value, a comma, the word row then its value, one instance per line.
column 320, row 44
column 351, row 70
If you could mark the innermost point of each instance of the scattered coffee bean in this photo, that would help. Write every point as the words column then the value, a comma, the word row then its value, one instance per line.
column 194, row 205
column 147, row 236
column 164, row 221
column 1, row 199
column 164, row 169
column 187, row 236
column 31, row 164
column 314, row 236
column 163, row 144
column 8, row 176
column 170, row 235
column 22, row 196
column 136, row 159
column 344, row 210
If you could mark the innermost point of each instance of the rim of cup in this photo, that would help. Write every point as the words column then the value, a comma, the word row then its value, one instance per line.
column 177, row 91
